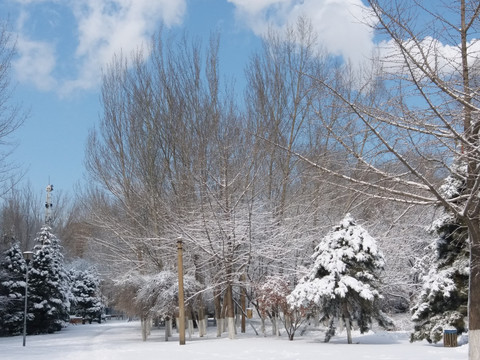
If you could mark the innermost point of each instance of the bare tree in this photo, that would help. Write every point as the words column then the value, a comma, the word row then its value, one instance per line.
column 281, row 100
column 11, row 114
column 20, row 217
column 168, row 153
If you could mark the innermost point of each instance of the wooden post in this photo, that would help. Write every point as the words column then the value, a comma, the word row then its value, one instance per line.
column 181, row 301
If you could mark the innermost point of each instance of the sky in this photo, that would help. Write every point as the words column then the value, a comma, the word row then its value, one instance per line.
column 63, row 45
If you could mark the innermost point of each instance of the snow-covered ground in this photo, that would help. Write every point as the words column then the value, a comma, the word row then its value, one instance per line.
column 121, row 340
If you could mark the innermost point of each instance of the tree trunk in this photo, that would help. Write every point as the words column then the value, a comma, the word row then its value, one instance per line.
column 330, row 331
column 243, row 304
column 474, row 295
column 347, row 322
column 168, row 328
column 348, row 326
column 229, row 312
column 316, row 319
column 202, row 323
column 289, row 327
column 262, row 327
column 145, row 329
column 218, row 312
column 190, row 322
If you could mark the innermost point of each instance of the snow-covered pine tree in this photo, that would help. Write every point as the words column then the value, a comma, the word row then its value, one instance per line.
column 343, row 282
column 85, row 290
column 442, row 303
column 12, row 291
column 49, row 291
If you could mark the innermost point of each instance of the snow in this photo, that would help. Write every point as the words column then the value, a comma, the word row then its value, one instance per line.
column 122, row 340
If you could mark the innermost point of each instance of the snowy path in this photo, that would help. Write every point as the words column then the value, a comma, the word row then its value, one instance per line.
column 120, row 340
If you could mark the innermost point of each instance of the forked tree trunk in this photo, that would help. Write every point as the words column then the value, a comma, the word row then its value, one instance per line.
column 274, row 323
column 263, row 328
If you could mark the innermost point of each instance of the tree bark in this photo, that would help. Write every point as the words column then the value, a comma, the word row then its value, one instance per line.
column 229, row 312
column 168, row 328
column 347, row 321
column 218, row 312
column 145, row 328
column 474, row 289
column 243, row 304
column 202, row 321
column 189, row 322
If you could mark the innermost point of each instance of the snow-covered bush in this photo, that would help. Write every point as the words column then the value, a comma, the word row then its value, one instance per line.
column 153, row 295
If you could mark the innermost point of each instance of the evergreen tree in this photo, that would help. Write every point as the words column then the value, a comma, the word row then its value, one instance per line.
column 48, row 283
column 87, row 302
column 343, row 281
column 12, row 291
column 442, row 303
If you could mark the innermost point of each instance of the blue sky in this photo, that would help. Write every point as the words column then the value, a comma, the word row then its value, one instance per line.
column 62, row 46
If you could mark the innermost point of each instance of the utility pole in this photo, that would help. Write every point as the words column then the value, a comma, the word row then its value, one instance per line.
column 181, row 300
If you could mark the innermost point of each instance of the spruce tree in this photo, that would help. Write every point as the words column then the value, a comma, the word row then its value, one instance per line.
column 443, row 300
column 343, row 283
column 87, row 302
column 48, row 283
column 12, row 291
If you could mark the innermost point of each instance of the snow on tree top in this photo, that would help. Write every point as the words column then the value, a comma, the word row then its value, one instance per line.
column 346, row 261
column 347, row 241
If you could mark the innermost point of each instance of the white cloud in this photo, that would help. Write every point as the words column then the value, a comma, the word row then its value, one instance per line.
column 254, row 6
column 104, row 27
column 36, row 63
column 36, row 60
column 339, row 24
column 444, row 59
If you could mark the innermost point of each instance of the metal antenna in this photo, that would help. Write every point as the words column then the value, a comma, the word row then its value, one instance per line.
column 48, row 206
